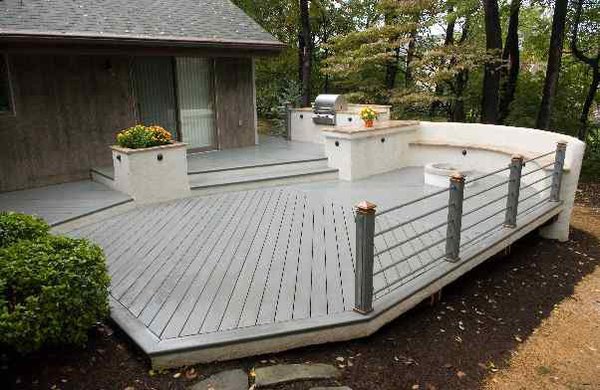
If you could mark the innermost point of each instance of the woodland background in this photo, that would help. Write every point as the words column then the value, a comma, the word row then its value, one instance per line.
column 532, row 63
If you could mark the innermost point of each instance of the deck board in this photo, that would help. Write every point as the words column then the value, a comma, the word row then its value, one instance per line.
column 60, row 203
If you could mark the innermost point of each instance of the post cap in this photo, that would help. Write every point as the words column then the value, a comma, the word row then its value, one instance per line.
column 457, row 176
column 562, row 144
column 516, row 157
column 366, row 207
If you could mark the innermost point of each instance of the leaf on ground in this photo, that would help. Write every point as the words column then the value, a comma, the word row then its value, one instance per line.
column 461, row 374
column 191, row 373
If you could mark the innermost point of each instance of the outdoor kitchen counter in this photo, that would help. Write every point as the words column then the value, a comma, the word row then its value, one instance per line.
column 359, row 152
column 379, row 127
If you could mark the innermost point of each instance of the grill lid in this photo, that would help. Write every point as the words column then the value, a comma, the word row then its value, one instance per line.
column 329, row 104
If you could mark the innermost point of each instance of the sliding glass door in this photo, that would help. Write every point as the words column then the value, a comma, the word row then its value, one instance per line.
column 155, row 92
column 177, row 94
column 195, row 98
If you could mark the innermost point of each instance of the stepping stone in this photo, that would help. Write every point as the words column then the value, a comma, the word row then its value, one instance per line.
column 281, row 373
column 225, row 380
column 331, row 388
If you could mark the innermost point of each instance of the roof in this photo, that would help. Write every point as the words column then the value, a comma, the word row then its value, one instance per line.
column 192, row 23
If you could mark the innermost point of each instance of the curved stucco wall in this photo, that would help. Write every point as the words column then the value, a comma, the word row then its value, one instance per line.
column 489, row 147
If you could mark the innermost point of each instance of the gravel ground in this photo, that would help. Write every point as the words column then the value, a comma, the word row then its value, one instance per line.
column 517, row 320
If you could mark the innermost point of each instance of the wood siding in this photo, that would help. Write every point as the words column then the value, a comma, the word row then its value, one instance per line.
column 67, row 111
column 235, row 102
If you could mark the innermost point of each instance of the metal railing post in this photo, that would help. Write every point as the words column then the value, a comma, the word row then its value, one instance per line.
column 559, row 162
column 455, row 211
column 514, row 186
column 363, row 283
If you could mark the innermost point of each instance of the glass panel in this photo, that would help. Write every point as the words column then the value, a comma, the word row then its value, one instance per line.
column 155, row 92
column 195, row 97
column 4, row 86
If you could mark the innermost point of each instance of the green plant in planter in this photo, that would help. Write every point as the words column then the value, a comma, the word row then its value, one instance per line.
column 52, row 290
column 140, row 136
column 16, row 226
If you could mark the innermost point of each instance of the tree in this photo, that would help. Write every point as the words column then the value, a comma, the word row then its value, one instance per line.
column 491, row 77
column 591, row 61
column 511, row 57
column 305, row 53
column 557, row 38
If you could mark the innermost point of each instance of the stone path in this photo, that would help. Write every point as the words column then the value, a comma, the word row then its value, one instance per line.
column 225, row 380
column 270, row 376
column 282, row 373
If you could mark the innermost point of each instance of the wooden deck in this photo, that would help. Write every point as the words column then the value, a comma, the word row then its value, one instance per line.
column 235, row 274
column 61, row 203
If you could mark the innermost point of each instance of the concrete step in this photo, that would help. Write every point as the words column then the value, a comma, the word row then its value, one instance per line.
column 258, row 169
column 245, row 177
column 282, row 176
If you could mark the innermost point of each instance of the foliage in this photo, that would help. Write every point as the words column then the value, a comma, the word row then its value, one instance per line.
column 368, row 114
column 16, row 226
column 426, row 58
column 140, row 136
column 52, row 290
column 289, row 95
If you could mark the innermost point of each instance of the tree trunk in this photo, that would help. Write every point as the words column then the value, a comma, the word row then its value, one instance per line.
column 305, row 53
column 448, row 41
column 410, row 55
column 512, row 57
column 553, row 68
column 491, row 77
column 585, row 112
column 592, row 62
column 457, row 109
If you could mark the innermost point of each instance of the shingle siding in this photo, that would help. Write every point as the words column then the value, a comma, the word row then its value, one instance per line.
column 190, row 20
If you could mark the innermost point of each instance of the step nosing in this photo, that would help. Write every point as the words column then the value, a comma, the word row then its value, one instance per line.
column 261, row 179
column 262, row 165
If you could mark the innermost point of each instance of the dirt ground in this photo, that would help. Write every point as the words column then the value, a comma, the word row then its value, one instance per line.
column 529, row 319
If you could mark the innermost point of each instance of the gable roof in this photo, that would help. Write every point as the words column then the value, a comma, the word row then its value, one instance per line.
column 191, row 23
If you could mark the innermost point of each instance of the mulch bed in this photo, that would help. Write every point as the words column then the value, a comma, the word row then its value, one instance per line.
column 453, row 344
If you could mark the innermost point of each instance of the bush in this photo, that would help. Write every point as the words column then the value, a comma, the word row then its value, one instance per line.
column 15, row 227
column 52, row 290
column 140, row 136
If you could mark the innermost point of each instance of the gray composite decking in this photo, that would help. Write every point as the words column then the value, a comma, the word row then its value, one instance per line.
column 63, row 202
column 269, row 151
column 224, row 270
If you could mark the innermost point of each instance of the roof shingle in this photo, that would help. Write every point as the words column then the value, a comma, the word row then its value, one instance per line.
column 193, row 21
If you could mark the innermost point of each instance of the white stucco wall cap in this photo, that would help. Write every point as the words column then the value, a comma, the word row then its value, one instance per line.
column 174, row 145
column 511, row 151
column 378, row 129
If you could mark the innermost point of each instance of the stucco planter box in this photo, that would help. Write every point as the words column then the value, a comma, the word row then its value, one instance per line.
column 152, row 174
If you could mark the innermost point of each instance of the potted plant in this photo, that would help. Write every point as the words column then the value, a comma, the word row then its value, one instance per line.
column 149, row 165
column 368, row 115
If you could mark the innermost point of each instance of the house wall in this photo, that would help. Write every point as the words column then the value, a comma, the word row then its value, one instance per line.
column 67, row 111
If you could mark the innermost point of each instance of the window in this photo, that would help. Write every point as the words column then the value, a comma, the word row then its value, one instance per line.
column 5, row 92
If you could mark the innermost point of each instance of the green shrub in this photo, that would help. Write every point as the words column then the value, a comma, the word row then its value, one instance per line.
column 52, row 290
column 16, row 226
column 140, row 136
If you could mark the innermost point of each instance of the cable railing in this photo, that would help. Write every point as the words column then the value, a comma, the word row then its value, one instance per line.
column 482, row 218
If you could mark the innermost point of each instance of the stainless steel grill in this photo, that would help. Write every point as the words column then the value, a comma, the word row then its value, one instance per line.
column 326, row 107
